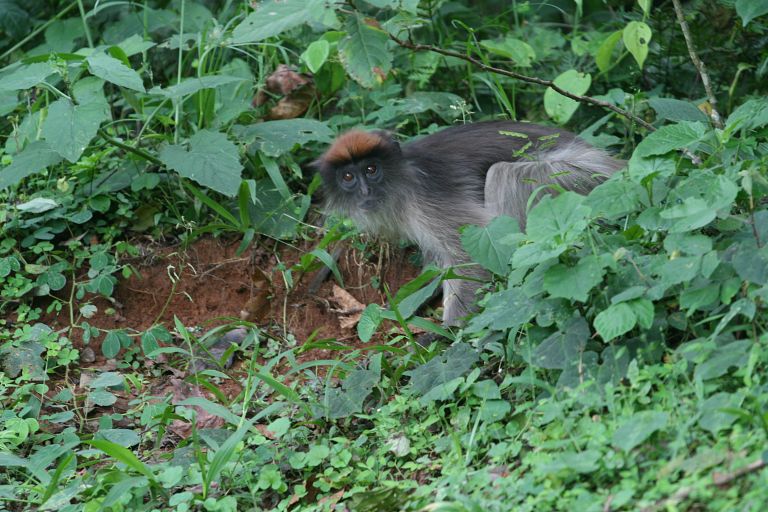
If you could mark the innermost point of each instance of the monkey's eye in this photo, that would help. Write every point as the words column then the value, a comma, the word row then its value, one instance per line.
column 348, row 177
column 371, row 170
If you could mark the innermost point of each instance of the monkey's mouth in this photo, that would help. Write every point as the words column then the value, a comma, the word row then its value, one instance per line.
column 368, row 204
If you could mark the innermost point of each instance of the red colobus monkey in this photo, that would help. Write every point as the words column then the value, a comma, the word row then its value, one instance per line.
column 425, row 190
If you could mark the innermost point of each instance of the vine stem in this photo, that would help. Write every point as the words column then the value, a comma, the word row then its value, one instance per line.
column 700, row 67
column 130, row 149
column 524, row 78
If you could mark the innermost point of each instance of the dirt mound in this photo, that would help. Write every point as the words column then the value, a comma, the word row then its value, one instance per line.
column 208, row 284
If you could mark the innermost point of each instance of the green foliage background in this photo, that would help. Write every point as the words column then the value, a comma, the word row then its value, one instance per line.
column 617, row 363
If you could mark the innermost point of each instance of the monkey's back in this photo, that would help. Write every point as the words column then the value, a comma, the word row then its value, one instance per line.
column 475, row 147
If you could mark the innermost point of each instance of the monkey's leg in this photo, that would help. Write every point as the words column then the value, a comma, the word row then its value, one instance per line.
column 578, row 167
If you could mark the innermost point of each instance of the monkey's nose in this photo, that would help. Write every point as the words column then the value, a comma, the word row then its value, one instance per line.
column 364, row 189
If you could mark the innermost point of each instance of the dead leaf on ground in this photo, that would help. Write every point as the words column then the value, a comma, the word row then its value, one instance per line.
column 350, row 309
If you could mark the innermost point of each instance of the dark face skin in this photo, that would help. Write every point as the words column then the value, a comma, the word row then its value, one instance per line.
column 360, row 181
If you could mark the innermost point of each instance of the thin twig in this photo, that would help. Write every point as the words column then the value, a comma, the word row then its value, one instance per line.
column 524, row 78
column 700, row 67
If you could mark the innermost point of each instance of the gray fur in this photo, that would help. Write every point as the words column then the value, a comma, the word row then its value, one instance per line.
column 463, row 175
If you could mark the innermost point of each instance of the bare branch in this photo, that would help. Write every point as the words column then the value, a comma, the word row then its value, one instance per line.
column 700, row 67
column 524, row 78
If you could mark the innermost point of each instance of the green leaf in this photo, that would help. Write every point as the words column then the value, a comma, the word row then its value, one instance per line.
column 113, row 342
column 443, row 368
column 369, row 322
column 408, row 305
column 491, row 245
column 276, row 16
column 670, row 137
column 677, row 110
column 316, row 54
column 643, row 310
column 275, row 138
column 35, row 157
column 355, row 388
column 636, row 37
column 122, row 454
column 508, row 309
column 618, row 319
column 574, row 282
column 518, row 51
column 114, row 71
column 615, row 198
column 560, row 108
column 69, row 128
column 713, row 416
column 751, row 9
column 639, row 427
column 26, row 76
column 553, row 224
column 605, row 51
column 559, row 350
column 122, row 436
column 211, row 408
column 192, row 85
column 697, row 200
column 364, row 52
column 211, row 160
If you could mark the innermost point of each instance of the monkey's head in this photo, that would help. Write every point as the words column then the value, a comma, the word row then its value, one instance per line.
column 364, row 174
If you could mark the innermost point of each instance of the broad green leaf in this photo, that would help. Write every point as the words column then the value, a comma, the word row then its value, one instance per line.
column 751, row 9
column 670, row 137
column 714, row 417
column 443, row 368
column 26, row 76
column 677, row 110
column 560, row 108
column 355, row 388
column 113, row 342
column 750, row 114
column 615, row 198
column 122, row 436
column 114, row 71
column 490, row 245
column 316, row 54
column 574, row 282
column 508, row 309
column 639, row 427
column 69, row 128
column 645, row 5
column 276, row 16
column 192, row 85
column 369, row 322
column 407, row 306
column 643, row 310
column 211, row 160
column 605, row 51
column 561, row 349
column 552, row 224
column 518, row 51
column 273, row 214
column 35, row 157
column 364, row 52
column 276, row 138
column 618, row 319
column 697, row 200
column 636, row 36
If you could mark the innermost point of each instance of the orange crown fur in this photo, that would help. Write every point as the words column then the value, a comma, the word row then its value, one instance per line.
column 351, row 145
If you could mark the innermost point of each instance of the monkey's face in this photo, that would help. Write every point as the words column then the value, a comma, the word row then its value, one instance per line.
column 361, row 183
